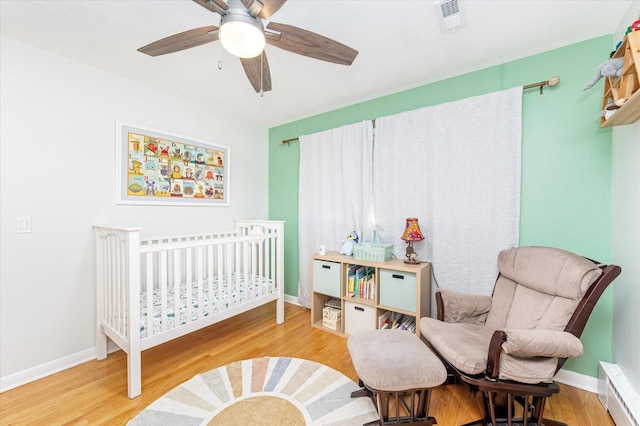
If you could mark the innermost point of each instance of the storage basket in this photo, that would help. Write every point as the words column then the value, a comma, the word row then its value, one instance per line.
column 374, row 252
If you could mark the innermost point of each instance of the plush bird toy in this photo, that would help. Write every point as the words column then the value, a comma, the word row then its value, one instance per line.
column 347, row 243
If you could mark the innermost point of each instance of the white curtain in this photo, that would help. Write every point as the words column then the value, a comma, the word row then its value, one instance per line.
column 335, row 193
column 402, row 176
column 456, row 167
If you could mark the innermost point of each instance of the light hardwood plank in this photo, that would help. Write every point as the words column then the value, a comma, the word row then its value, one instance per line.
column 95, row 392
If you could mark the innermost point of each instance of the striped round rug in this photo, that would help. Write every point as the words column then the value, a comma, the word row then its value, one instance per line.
column 262, row 391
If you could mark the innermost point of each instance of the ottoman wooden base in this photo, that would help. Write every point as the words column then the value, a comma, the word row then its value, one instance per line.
column 398, row 372
column 407, row 407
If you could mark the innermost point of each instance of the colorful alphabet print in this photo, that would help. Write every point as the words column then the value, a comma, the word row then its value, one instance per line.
column 156, row 168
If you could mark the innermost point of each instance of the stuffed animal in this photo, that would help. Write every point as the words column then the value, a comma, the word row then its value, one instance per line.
column 610, row 68
column 611, row 107
column 347, row 243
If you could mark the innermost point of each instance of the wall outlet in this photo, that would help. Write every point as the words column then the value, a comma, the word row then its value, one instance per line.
column 23, row 224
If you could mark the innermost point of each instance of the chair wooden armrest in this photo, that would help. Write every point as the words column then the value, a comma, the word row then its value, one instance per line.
column 529, row 344
column 493, row 357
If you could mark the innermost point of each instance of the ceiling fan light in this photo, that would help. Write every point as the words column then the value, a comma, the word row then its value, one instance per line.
column 242, row 36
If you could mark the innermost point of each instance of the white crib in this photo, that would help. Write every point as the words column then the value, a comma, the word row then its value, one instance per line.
column 155, row 290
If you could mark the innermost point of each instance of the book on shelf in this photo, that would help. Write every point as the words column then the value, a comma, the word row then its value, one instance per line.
column 361, row 282
column 408, row 323
column 396, row 320
column 384, row 320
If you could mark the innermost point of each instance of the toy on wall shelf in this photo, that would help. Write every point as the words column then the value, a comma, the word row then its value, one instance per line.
column 347, row 243
column 610, row 68
column 611, row 107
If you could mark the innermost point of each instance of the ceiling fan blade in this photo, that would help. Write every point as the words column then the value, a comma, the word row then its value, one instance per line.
column 181, row 41
column 213, row 5
column 270, row 7
column 310, row 44
column 253, row 67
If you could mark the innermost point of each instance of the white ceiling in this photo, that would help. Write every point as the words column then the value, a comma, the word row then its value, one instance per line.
column 399, row 41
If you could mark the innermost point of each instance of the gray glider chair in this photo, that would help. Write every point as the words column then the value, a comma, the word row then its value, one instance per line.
column 508, row 347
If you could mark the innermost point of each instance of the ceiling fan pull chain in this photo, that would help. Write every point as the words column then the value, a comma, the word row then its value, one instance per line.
column 261, row 74
column 220, row 60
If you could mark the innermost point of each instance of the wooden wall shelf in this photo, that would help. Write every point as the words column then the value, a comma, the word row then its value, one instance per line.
column 626, row 86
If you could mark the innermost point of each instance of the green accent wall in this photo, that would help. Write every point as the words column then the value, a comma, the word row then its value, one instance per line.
column 566, row 162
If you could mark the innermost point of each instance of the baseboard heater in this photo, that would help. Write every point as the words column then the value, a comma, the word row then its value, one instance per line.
column 618, row 396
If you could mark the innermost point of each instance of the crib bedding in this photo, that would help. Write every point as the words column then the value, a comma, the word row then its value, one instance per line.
column 224, row 295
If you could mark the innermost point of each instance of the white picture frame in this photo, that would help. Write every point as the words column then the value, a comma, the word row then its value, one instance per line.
column 155, row 167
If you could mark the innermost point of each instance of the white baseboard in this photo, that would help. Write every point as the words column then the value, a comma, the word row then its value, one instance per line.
column 291, row 299
column 577, row 380
column 43, row 370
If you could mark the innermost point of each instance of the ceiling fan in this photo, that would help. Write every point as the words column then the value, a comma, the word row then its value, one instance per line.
column 242, row 34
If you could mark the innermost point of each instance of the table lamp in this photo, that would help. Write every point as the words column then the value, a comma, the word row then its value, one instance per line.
column 412, row 233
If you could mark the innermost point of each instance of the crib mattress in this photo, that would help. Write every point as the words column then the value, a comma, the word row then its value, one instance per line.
column 224, row 295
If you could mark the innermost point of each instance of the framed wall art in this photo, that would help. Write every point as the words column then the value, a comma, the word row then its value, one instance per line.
column 155, row 167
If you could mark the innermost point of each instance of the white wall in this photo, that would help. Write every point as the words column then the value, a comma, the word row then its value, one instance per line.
column 626, row 238
column 57, row 154
column 626, row 251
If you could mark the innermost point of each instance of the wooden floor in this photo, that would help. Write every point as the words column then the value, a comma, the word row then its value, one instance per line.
column 95, row 393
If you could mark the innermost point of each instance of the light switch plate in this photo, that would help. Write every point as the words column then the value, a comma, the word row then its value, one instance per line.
column 23, row 224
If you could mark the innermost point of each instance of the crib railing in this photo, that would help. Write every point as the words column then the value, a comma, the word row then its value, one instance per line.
column 190, row 270
column 185, row 268
column 176, row 271
column 118, row 288
column 276, row 253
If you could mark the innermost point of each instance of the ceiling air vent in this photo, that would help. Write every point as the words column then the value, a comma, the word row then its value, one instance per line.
column 450, row 15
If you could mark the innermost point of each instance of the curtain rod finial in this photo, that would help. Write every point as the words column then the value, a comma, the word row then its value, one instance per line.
column 553, row 81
